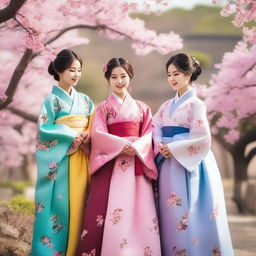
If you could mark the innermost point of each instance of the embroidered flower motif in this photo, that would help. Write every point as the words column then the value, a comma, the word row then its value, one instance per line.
column 124, row 243
column 39, row 207
column 193, row 150
column 57, row 253
column 110, row 112
column 53, row 166
column 102, row 156
column 51, row 175
column 198, row 123
column 105, row 68
column 216, row 213
column 181, row 252
column 43, row 118
column 216, row 251
column 84, row 233
column 155, row 227
column 195, row 241
column 117, row 215
column 183, row 223
column 56, row 226
column 54, row 218
column 45, row 240
column 173, row 200
column 57, row 106
column 92, row 253
column 99, row 220
column 148, row 251
column 44, row 145
column 124, row 165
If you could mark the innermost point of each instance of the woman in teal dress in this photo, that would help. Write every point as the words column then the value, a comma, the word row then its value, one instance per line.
column 62, row 163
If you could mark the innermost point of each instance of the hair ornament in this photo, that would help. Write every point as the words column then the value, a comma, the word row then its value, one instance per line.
column 196, row 61
column 105, row 68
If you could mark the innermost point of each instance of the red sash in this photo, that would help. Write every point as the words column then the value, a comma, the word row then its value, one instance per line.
column 126, row 129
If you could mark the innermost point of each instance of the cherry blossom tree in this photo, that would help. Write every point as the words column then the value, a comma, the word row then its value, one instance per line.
column 33, row 32
column 231, row 96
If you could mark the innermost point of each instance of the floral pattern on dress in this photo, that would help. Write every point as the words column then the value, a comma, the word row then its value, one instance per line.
column 51, row 175
column 215, row 214
column 123, row 244
column 43, row 118
column 92, row 253
column 183, row 223
column 99, row 220
column 124, row 165
column 148, row 251
column 44, row 145
column 46, row 241
column 110, row 112
column 179, row 252
column 192, row 150
column 173, row 200
column 57, row 227
column 195, row 241
column 39, row 206
column 84, row 233
column 155, row 226
column 102, row 156
column 216, row 251
column 58, row 253
column 116, row 216
column 57, row 105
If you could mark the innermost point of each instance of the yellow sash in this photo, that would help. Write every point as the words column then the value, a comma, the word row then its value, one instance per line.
column 78, row 181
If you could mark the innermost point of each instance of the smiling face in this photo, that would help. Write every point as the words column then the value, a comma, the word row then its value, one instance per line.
column 70, row 76
column 179, row 81
column 119, row 81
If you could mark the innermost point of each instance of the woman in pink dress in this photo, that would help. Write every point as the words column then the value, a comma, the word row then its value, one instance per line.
column 120, row 216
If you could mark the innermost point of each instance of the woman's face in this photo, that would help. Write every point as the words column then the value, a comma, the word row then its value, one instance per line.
column 119, row 81
column 70, row 76
column 178, row 81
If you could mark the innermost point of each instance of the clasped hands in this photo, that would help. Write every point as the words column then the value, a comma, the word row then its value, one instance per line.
column 128, row 150
column 82, row 140
column 164, row 150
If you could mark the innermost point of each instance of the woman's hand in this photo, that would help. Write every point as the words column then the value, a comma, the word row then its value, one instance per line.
column 128, row 150
column 164, row 150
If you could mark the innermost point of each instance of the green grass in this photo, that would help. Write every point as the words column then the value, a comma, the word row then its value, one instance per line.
column 18, row 187
column 21, row 205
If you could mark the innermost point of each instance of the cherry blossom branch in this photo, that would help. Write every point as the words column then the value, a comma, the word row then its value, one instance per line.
column 14, row 82
column 10, row 11
column 26, row 116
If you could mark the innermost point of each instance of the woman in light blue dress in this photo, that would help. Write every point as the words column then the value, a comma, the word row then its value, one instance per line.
column 192, row 212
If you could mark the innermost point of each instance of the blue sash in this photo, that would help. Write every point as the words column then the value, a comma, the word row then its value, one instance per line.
column 169, row 132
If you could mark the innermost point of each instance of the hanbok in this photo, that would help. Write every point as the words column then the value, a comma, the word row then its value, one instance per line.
column 192, row 212
column 120, row 216
column 62, row 179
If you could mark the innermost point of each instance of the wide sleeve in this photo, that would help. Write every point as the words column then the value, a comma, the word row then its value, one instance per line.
column 189, row 150
column 157, row 129
column 143, row 145
column 105, row 146
column 47, row 129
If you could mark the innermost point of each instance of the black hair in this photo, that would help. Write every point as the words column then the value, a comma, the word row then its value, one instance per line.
column 118, row 62
column 63, row 61
column 186, row 64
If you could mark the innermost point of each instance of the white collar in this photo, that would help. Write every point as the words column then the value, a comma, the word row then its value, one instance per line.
column 121, row 101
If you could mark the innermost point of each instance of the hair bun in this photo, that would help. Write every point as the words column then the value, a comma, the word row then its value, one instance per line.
column 52, row 71
column 197, row 70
